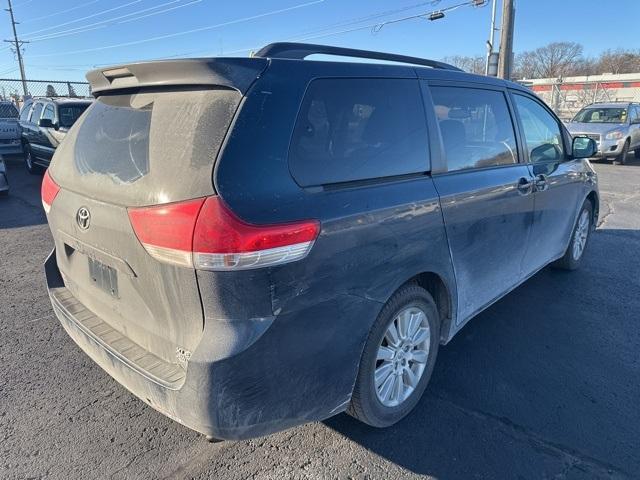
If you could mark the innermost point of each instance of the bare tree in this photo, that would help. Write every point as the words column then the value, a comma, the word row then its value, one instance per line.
column 475, row 64
column 619, row 61
column 525, row 65
column 556, row 59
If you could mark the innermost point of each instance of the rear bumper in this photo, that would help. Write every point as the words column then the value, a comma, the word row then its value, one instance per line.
column 245, row 379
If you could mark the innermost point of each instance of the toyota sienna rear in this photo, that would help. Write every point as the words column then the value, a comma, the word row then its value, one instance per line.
column 248, row 244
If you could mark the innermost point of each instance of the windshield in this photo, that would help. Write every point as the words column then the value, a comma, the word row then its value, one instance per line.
column 69, row 114
column 7, row 110
column 601, row 115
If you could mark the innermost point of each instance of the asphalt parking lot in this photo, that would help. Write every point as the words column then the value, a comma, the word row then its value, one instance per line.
column 544, row 384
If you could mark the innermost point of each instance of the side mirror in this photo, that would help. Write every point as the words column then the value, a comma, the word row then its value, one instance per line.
column 584, row 147
column 45, row 123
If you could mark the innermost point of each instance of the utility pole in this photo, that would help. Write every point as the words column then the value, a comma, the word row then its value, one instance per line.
column 17, row 44
column 491, row 67
column 506, row 40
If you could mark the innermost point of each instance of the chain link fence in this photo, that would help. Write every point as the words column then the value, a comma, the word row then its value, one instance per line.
column 12, row 89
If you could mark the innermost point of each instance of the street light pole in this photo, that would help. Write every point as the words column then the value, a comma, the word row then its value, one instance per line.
column 17, row 44
column 492, row 34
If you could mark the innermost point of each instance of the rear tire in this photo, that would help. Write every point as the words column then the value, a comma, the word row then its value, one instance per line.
column 32, row 168
column 393, row 375
column 622, row 158
column 579, row 239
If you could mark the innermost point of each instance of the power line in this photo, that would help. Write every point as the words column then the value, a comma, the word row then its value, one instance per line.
column 184, row 32
column 55, row 14
column 110, row 21
column 371, row 26
column 85, row 18
column 435, row 15
column 383, row 14
column 161, row 11
column 10, row 70
column 352, row 21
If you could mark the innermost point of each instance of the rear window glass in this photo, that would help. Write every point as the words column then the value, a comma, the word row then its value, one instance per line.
column 147, row 147
column 114, row 139
column 68, row 114
column 357, row 129
column 476, row 127
column 8, row 111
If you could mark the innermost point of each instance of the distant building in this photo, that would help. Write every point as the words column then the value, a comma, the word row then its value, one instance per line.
column 567, row 95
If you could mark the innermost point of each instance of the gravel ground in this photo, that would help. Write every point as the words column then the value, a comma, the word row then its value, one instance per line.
column 544, row 384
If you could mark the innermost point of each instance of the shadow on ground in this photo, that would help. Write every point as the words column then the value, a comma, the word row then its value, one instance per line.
column 554, row 365
column 21, row 207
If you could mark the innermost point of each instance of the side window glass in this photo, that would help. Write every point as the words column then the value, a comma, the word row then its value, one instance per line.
column 49, row 113
column 35, row 113
column 541, row 131
column 476, row 127
column 356, row 129
column 26, row 109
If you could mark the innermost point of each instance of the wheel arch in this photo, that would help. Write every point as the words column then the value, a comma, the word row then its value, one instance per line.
column 595, row 206
column 442, row 294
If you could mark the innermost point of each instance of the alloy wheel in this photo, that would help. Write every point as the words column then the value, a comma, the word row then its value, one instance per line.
column 580, row 235
column 402, row 356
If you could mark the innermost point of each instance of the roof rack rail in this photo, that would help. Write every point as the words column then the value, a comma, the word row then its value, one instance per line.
column 299, row 51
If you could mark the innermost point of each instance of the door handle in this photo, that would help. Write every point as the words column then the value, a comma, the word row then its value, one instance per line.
column 525, row 186
column 541, row 183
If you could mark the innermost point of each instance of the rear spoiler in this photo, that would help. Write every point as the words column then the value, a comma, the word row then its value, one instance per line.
column 236, row 73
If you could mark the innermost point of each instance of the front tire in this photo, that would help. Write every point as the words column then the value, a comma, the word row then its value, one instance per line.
column 579, row 239
column 622, row 158
column 398, row 358
column 32, row 168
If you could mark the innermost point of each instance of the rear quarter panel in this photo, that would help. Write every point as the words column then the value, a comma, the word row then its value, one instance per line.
column 374, row 237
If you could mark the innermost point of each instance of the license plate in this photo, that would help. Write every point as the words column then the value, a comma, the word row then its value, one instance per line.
column 104, row 277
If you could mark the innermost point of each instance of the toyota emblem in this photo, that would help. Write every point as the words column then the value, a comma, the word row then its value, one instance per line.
column 83, row 217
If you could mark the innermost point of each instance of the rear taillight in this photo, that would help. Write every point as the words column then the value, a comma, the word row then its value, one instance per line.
column 48, row 191
column 166, row 231
column 205, row 234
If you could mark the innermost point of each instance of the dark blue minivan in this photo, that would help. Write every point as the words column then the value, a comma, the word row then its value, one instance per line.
column 248, row 244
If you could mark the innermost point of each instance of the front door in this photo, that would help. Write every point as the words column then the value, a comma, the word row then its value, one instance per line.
column 634, row 126
column 486, row 194
column 558, row 181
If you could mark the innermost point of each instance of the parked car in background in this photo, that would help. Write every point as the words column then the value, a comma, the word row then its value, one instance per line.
column 615, row 127
column 9, row 129
column 248, row 244
column 44, row 123
column 4, row 181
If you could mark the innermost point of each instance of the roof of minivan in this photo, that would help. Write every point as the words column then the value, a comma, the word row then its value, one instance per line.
column 202, row 71
column 240, row 72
